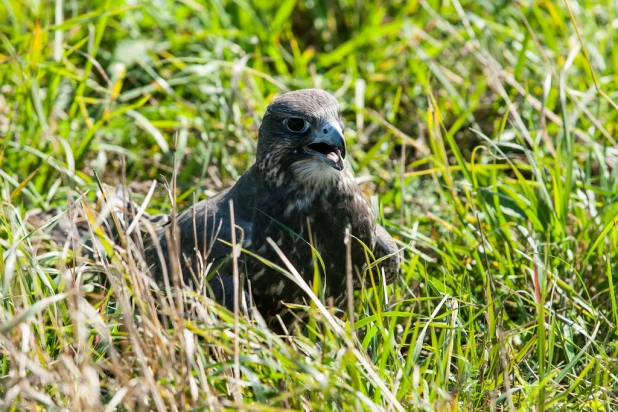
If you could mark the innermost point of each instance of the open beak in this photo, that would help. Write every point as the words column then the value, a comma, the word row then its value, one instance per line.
column 328, row 145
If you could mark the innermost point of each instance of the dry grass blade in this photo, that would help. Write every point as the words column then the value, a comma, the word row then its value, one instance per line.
column 31, row 311
column 485, row 134
column 336, row 328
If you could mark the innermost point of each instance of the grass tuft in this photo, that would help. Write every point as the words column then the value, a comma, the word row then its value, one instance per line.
column 486, row 129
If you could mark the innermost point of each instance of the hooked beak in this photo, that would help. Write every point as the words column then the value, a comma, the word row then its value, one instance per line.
column 328, row 145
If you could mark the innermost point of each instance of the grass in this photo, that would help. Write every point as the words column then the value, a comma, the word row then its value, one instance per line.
column 485, row 130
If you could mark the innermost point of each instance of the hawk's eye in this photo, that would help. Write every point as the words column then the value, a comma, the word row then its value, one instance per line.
column 296, row 125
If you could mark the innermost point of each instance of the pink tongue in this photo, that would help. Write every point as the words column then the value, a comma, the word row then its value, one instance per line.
column 334, row 156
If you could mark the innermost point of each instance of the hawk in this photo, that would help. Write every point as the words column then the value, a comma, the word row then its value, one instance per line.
column 301, row 193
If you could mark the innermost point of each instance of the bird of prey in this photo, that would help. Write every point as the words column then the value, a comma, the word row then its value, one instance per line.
column 301, row 193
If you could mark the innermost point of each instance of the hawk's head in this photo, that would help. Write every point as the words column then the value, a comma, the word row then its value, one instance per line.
column 301, row 139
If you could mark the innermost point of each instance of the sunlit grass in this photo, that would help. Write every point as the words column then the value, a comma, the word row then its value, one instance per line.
column 485, row 130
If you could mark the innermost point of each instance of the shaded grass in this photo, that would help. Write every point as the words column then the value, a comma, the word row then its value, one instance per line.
column 486, row 130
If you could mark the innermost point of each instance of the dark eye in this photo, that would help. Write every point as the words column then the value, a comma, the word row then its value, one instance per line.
column 296, row 125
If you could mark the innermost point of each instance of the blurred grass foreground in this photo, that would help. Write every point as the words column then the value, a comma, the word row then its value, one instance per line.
column 484, row 132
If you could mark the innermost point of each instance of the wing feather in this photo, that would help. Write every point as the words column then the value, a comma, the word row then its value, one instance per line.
column 204, row 229
column 386, row 247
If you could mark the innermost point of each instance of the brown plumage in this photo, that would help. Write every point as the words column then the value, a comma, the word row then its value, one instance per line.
column 300, row 189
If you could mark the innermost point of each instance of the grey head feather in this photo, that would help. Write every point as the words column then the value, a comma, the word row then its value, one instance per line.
column 279, row 150
column 306, row 103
